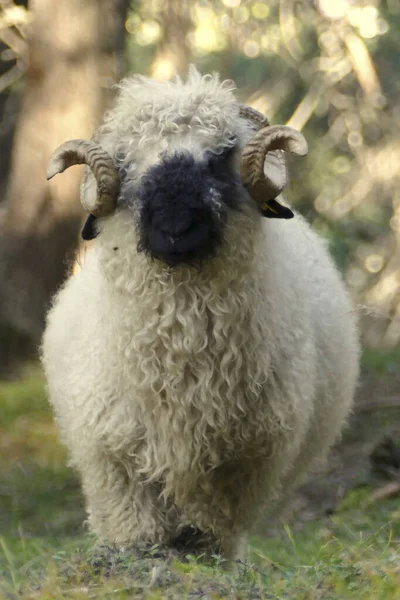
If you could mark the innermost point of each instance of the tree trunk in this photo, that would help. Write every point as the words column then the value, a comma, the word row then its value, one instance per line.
column 173, row 54
column 71, row 67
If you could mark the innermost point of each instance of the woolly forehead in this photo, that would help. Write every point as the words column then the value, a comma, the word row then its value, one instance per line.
column 198, row 115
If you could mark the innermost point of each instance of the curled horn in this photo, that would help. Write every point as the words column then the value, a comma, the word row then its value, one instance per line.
column 78, row 152
column 257, row 118
column 266, row 176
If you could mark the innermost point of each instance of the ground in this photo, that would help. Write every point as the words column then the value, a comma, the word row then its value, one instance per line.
column 335, row 541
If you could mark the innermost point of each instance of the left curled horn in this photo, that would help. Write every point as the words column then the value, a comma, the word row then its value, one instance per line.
column 78, row 152
column 263, row 167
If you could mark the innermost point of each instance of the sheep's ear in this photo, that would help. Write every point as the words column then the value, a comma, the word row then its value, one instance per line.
column 89, row 231
column 275, row 171
column 89, row 191
column 272, row 209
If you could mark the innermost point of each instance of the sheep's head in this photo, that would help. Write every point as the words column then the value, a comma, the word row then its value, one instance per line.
column 181, row 157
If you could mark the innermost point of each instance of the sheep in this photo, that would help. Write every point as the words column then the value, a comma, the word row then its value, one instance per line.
column 205, row 357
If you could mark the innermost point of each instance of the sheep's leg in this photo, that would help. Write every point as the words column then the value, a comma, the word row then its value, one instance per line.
column 230, row 502
column 224, row 539
column 214, row 533
column 225, row 507
column 122, row 508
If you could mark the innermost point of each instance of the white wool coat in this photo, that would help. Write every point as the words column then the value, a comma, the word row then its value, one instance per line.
column 198, row 397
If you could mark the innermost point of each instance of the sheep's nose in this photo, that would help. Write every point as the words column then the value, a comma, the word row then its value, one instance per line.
column 175, row 243
column 173, row 238
column 176, row 230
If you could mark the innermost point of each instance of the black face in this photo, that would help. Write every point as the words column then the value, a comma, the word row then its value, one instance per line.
column 183, row 205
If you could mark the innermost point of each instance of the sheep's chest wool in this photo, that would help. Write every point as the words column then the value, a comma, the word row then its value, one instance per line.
column 196, row 365
column 205, row 355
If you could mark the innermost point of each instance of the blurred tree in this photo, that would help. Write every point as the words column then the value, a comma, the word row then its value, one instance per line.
column 160, row 43
column 71, row 62
column 14, row 20
column 173, row 54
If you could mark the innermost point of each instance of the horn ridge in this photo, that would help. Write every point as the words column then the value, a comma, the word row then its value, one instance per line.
column 253, row 115
column 252, row 161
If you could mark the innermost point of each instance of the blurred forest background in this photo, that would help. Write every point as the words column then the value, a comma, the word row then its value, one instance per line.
column 326, row 67
column 329, row 68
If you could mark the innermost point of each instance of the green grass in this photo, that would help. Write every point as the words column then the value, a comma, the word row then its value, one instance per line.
column 381, row 361
column 45, row 552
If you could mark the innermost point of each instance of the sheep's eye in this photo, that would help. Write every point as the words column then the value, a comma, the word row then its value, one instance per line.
column 226, row 153
column 222, row 153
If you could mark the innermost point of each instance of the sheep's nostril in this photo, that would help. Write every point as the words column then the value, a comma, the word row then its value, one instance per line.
column 176, row 231
column 175, row 238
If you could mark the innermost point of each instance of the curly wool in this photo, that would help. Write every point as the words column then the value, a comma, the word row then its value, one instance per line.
column 196, row 397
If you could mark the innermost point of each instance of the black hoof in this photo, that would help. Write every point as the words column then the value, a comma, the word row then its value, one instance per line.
column 195, row 541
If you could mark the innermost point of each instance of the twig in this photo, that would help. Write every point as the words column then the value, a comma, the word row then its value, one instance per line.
column 384, row 492
column 246, row 565
column 92, row 592
column 14, row 41
column 13, row 16
column 10, row 77
column 390, row 402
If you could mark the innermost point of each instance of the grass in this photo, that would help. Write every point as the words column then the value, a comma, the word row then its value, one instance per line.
column 45, row 552
column 382, row 361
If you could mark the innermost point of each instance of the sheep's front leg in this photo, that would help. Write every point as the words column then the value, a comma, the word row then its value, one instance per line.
column 122, row 508
column 208, row 523
column 225, row 506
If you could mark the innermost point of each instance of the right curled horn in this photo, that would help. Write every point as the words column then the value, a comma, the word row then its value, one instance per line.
column 254, row 116
column 263, row 167
column 78, row 152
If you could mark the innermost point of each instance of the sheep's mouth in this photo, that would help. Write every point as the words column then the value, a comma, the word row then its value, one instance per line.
column 174, row 259
column 196, row 242
column 181, row 258
column 179, row 251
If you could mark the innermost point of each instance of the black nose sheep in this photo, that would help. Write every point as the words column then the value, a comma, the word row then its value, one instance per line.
column 206, row 355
